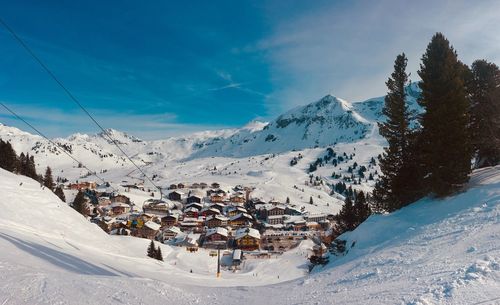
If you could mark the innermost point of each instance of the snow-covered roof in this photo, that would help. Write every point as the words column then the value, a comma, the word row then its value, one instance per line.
column 152, row 225
column 272, row 207
column 191, row 209
column 240, row 233
column 119, row 204
column 176, row 230
column 241, row 215
column 217, row 216
column 218, row 230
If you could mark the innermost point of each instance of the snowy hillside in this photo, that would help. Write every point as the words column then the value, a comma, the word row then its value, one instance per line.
column 432, row 252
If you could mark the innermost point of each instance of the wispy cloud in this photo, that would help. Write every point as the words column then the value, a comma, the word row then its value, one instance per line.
column 348, row 48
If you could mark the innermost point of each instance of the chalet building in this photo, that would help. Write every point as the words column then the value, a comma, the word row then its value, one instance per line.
column 277, row 210
column 313, row 226
column 215, row 185
column 191, row 224
column 169, row 220
column 194, row 199
column 190, row 241
column 203, row 185
column 181, row 185
column 275, row 219
column 238, row 198
column 247, row 239
column 169, row 233
column 316, row 217
column 195, row 205
column 300, row 226
column 213, row 221
column 133, row 186
column 175, row 195
column 191, row 212
column 195, row 185
column 219, row 206
column 103, row 201
column 172, row 187
column 233, row 211
column 106, row 223
column 295, row 223
column 240, row 220
column 149, row 230
column 117, row 208
column 211, row 192
column 218, row 197
column 120, row 198
column 209, row 211
column 158, row 207
column 216, row 237
column 292, row 211
column 83, row 186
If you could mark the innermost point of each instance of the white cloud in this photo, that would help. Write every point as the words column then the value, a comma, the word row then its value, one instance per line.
column 349, row 50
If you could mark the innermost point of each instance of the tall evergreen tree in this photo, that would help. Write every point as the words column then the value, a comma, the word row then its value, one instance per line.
column 48, row 181
column 361, row 208
column 392, row 190
column 444, row 140
column 347, row 215
column 27, row 166
column 158, row 254
column 8, row 157
column 484, row 92
column 151, row 250
column 79, row 204
column 60, row 193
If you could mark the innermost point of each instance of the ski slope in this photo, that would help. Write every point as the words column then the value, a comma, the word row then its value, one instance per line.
column 432, row 252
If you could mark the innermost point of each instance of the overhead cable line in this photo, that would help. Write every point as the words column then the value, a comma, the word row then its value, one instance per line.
column 57, row 145
column 73, row 98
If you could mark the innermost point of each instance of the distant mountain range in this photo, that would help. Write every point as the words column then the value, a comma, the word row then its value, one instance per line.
column 325, row 122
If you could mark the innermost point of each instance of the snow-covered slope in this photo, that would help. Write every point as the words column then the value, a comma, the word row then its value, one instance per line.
column 432, row 252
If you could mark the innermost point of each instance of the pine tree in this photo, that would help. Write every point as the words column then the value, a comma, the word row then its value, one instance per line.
column 444, row 140
column 288, row 200
column 151, row 250
column 391, row 191
column 8, row 157
column 27, row 166
column 158, row 254
column 361, row 208
column 484, row 93
column 79, row 204
column 60, row 193
column 347, row 216
column 311, row 200
column 48, row 181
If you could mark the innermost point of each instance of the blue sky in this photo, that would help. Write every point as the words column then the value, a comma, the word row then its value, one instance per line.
column 161, row 68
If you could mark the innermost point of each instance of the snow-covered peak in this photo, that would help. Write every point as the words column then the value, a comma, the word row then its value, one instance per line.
column 255, row 125
column 118, row 136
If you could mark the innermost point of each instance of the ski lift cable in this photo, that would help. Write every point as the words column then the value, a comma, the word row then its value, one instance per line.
column 57, row 145
column 73, row 98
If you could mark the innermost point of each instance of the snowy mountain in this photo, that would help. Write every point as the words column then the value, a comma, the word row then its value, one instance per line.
column 257, row 155
column 320, row 124
column 432, row 252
